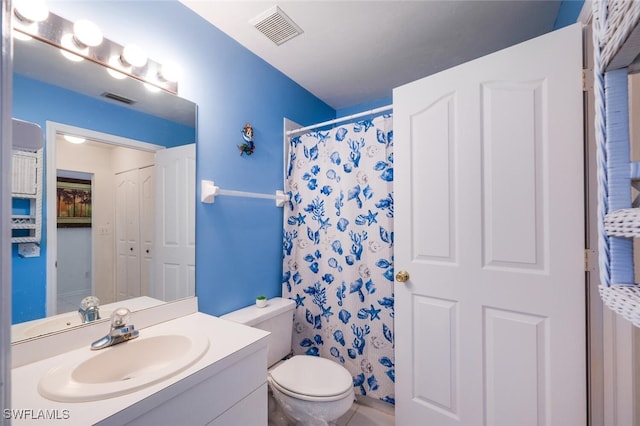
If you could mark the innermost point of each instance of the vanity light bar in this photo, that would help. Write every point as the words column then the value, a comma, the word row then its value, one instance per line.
column 55, row 28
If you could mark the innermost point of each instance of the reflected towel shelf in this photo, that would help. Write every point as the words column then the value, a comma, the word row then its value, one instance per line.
column 209, row 191
column 27, row 185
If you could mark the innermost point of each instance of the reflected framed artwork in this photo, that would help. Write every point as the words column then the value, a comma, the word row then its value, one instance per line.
column 73, row 208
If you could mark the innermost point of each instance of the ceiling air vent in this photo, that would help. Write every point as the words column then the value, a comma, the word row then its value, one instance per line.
column 276, row 25
column 113, row 96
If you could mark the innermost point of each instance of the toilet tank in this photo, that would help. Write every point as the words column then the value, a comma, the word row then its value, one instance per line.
column 276, row 317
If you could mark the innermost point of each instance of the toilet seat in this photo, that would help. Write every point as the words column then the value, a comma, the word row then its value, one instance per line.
column 302, row 397
column 312, row 378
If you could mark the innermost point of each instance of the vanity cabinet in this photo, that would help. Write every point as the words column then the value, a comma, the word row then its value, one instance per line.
column 227, row 385
column 235, row 395
column 249, row 411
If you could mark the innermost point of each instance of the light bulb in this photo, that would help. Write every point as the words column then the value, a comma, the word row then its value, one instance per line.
column 21, row 36
column 170, row 72
column 24, row 30
column 116, row 74
column 68, row 44
column 86, row 33
column 31, row 10
column 74, row 139
column 150, row 87
column 114, row 65
column 134, row 55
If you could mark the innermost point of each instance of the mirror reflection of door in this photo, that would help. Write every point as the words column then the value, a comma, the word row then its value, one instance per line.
column 120, row 238
column 134, row 227
column 175, row 233
column 75, row 246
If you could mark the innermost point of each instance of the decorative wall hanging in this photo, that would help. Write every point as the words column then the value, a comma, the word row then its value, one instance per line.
column 247, row 134
column 74, row 203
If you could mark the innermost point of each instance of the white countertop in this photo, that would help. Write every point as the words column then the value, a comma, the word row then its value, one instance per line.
column 228, row 343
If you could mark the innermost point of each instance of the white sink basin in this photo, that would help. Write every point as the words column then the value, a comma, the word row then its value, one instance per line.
column 123, row 368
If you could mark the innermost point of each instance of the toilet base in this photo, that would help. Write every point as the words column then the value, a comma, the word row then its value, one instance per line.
column 287, row 411
column 276, row 416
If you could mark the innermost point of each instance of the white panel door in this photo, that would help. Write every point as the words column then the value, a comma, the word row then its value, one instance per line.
column 127, row 235
column 490, row 326
column 174, row 259
column 147, row 227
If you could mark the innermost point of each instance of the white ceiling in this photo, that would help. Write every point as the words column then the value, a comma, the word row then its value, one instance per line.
column 353, row 52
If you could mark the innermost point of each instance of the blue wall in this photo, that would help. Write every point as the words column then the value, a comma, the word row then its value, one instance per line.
column 39, row 102
column 239, row 240
column 238, row 253
column 388, row 100
column 568, row 13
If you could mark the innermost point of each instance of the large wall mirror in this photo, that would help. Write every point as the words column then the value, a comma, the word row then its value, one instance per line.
column 137, row 248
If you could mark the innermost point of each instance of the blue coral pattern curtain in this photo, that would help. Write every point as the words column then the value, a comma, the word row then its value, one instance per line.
column 338, row 250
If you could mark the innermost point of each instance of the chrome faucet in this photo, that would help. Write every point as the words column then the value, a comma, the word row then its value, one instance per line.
column 120, row 331
column 89, row 309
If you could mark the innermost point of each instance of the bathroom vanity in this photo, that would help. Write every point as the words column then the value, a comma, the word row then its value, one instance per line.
column 226, row 384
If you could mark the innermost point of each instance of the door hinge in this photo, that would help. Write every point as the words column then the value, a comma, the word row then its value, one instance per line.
column 590, row 260
column 587, row 80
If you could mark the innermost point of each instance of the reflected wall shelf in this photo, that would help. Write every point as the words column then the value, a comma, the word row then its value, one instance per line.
column 27, row 185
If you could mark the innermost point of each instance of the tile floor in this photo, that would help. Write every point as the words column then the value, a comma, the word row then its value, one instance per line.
column 358, row 415
column 363, row 415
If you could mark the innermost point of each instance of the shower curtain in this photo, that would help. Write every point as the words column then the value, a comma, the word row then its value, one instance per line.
column 338, row 250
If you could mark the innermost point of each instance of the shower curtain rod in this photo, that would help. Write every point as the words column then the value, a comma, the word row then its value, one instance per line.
column 338, row 120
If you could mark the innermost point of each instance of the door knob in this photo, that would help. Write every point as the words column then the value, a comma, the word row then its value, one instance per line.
column 402, row 276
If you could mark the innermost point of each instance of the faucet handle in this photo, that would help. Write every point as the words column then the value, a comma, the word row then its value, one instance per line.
column 89, row 302
column 89, row 309
column 120, row 317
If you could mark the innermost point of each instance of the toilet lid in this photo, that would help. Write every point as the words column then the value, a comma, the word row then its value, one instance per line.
column 312, row 376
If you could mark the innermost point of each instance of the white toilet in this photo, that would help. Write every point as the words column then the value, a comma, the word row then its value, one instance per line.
column 309, row 390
